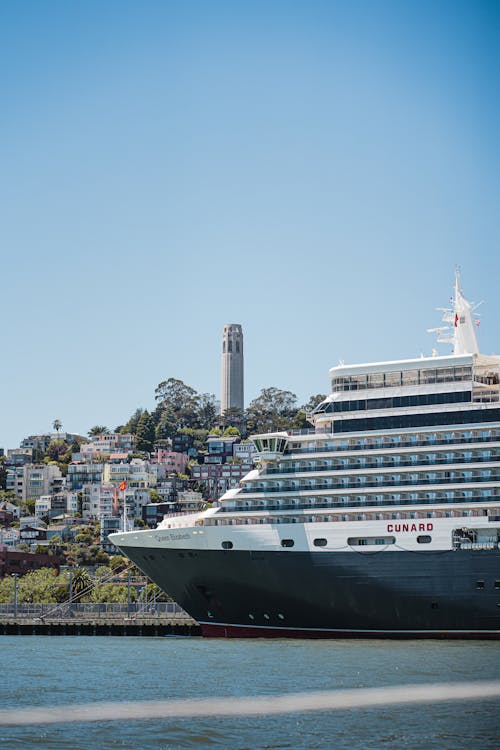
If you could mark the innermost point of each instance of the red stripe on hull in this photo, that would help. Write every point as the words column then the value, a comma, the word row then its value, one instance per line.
column 234, row 631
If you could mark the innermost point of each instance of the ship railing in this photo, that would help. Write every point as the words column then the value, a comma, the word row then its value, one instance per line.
column 352, row 505
column 101, row 611
column 315, row 448
column 447, row 481
column 270, row 470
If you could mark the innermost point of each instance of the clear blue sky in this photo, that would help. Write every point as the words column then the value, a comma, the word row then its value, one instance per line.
column 313, row 170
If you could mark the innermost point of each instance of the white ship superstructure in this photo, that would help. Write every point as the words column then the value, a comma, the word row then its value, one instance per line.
column 383, row 518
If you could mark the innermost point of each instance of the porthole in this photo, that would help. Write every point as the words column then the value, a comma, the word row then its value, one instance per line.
column 320, row 542
column 424, row 539
column 280, row 616
column 479, row 584
column 251, row 617
column 266, row 617
column 287, row 542
column 227, row 545
column 497, row 584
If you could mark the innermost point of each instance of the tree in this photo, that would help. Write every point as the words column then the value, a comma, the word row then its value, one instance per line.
column 98, row 430
column 207, row 411
column 234, row 417
column 166, row 425
column 272, row 411
column 154, row 496
column 131, row 425
column 57, row 424
column 56, row 450
column 231, row 432
column 3, row 477
column 145, row 435
column 313, row 402
column 82, row 584
column 179, row 401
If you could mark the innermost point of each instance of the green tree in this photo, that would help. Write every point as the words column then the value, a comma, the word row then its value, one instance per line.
column 131, row 425
column 231, row 432
column 58, row 451
column 57, row 425
column 234, row 417
column 166, row 424
column 111, row 592
column 199, row 437
column 272, row 411
column 37, row 453
column 145, row 435
column 313, row 402
column 206, row 411
column 179, row 403
column 37, row 586
column 82, row 584
column 98, row 430
column 3, row 476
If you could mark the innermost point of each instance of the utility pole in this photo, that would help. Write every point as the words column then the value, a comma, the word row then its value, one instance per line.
column 16, row 576
column 71, row 592
column 128, row 596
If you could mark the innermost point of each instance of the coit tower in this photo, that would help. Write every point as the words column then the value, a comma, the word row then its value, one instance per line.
column 232, row 367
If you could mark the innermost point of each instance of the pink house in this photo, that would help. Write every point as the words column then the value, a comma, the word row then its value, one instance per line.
column 173, row 462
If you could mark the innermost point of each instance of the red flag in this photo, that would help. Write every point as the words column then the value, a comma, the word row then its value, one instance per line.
column 456, row 320
column 123, row 485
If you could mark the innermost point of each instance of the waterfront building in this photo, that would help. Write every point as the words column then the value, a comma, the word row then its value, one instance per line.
column 106, row 444
column 244, row 452
column 80, row 474
column 34, row 480
column 60, row 503
column 19, row 562
column 232, row 368
column 19, row 456
column 9, row 537
column 97, row 500
column 171, row 461
column 219, row 477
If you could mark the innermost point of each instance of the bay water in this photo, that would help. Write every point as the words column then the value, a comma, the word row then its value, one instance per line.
column 50, row 671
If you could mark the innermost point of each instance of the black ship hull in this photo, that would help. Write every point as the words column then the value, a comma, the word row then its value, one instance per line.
column 331, row 594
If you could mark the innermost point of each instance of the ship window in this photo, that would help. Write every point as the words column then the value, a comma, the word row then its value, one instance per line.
column 480, row 584
column 287, row 542
column 424, row 539
column 497, row 584
column 320, row 542
column 227, row 545
column 355, row 541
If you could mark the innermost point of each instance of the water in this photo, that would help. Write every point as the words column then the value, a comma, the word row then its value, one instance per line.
column 39, row 671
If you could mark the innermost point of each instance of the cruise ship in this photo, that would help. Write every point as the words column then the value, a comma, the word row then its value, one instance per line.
column 383, row 520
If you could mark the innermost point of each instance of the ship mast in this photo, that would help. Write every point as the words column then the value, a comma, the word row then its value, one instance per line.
column 461, row 332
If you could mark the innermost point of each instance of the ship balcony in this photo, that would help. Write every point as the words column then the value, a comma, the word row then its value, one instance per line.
column 387, row 483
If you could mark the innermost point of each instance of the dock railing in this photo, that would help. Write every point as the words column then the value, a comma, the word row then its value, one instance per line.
column 104, row 611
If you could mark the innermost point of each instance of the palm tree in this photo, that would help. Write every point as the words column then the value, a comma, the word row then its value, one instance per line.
column 98, row 430
column 57, row 424
column 82, row 583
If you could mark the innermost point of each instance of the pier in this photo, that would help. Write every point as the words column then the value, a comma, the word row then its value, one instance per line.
column 165, row 619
